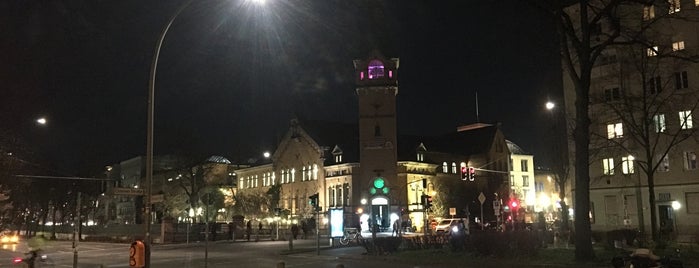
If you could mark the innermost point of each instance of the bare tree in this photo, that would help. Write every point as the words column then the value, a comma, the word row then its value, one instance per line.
column 587, row 28
column 191, row 179
column 650, row 92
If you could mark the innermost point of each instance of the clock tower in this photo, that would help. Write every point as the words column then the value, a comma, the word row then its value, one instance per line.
column 377, row 87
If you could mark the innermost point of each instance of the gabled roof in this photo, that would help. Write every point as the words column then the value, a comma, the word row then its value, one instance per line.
column 467, row 141
column 515, row 149
column 334, row 134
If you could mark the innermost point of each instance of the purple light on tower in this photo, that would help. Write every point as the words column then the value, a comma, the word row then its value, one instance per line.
column 375, row 69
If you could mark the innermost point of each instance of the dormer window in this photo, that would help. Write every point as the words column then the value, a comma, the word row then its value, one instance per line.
column 338, row 158
column 337, row 152
column 375, row 69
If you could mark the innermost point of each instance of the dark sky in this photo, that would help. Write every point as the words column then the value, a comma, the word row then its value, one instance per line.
column 231, row 75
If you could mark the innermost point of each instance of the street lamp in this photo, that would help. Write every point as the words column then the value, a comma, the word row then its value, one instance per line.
column 41, row 121
column 550, row 105
column 149, row 131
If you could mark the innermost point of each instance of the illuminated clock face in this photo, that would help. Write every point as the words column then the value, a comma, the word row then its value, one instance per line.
column 378, row 183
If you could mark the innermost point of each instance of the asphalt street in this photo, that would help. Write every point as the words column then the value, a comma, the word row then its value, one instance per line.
column 219, row 254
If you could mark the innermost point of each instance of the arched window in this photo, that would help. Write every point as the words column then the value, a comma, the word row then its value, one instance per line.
column 303, row 174
column 375, row 69
column 377, row 131
column 453, row 167
column 445, row 167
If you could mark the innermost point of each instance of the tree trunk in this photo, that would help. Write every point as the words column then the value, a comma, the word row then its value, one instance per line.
column 653, row 209
column 583, row 233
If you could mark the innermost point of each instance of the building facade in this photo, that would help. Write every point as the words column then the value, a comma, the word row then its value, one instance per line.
column 643, row 96
column 375, row 175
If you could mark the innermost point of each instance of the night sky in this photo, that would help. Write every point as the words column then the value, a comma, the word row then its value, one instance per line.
column 231, row 75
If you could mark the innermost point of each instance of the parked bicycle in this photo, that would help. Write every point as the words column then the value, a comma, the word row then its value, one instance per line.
column 351, row 234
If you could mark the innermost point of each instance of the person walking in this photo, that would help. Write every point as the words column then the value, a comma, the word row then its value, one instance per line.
column 249, row 229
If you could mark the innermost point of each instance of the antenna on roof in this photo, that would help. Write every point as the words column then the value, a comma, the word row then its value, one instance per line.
column 478, row 120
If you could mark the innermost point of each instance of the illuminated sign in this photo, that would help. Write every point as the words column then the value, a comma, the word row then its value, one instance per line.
column 337, row 223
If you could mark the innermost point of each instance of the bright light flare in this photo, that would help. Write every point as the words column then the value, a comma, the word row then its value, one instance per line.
column 550, row 105
column 41, row 121
column 258, row 2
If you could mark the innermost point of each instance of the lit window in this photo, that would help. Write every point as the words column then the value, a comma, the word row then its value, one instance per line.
column 690, row 160
column 303, row 174
column 664, row 164
column 652, row 51
column 686, row 119
column 525, row 165
column 293, row 174
column 445, row 168
column 674, row 6
column 677, row 46
column 612, row 94
column 315, row 172
column 696, row 3
column 420, row 157
column 512, row 180
column 681, row 80
column 627, row 164
column 338, row 158
column 525, row 181
column 654, row 85
column 608, row 166
column 649, row 12
column 659, row 123
column 615, row 130
column 453, row 167
column 375, row 69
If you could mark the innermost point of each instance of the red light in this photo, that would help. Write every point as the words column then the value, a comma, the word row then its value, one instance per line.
column 17, row 260
column 513, row 204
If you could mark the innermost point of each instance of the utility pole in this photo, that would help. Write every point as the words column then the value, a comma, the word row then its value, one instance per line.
column 76, row 233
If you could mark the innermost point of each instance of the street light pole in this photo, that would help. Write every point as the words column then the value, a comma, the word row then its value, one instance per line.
column 149, row 134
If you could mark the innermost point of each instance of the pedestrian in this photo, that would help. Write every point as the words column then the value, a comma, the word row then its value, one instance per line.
column 230, row 230
column 304, row 228
column 259, row 227
column 395, row 228
column 249, row 228
column 294, row 231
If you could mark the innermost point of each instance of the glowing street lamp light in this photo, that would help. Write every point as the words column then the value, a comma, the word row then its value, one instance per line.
column 149, row 130
column 41, row 121
column 550, row 105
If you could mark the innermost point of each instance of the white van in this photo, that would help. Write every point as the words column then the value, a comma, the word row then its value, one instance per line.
column 446, row 226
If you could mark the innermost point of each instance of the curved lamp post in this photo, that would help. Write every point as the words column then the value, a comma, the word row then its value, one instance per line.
column 149, row 134
column 149, row 131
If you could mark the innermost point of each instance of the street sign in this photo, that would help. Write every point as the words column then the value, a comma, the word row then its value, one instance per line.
column 481, row 198
column 127, row 191
column 158, row 198
column 452, row 211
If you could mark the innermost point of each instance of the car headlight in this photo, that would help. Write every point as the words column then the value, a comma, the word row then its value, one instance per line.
column 14, row 239
column 455, row 229
column 5, row 239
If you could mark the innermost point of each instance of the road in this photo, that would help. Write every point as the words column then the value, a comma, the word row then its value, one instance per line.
column 220, row 254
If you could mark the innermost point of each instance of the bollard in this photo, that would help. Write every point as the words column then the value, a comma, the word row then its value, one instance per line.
column 280, row 264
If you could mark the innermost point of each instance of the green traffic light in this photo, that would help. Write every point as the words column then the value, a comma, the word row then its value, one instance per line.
column 379, row 183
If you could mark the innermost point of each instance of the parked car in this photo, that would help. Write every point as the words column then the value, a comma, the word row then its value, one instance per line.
column 446, row 226
column 8, row 238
